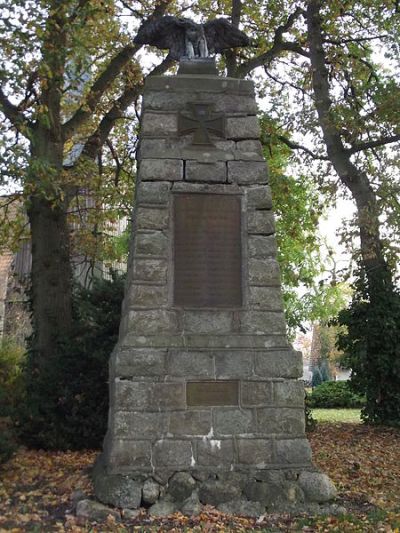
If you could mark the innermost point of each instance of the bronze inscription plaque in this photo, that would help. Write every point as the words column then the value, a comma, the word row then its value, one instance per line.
column 209, row 393
column 207, row 250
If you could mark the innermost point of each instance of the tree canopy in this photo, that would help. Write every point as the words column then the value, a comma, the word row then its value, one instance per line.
column 70, row 84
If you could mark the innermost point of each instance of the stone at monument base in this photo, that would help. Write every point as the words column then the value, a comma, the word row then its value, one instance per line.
column 247, row 493
column 205, row 403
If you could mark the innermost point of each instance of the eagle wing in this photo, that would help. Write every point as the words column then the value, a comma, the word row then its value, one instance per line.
column 221, row 34
column 165, row 33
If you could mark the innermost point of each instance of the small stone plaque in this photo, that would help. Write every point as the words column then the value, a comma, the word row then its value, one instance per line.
column 207, row 250
column 210, row 393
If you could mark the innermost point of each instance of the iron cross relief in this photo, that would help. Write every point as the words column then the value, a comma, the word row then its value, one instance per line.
column 201, row 121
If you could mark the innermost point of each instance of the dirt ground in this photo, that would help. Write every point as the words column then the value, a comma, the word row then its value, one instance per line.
column 36, row 489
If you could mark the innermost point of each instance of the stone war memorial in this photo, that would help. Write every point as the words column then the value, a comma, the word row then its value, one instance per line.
column 205, row 402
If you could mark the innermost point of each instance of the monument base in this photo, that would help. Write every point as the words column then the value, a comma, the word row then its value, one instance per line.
column 249, row 493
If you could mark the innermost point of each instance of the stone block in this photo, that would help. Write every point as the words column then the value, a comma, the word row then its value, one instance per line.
column 263, row 322
column 207, row 322
column 172, row 454
column 234, row 103
column 141, row 362
column 248, row 156
column 255, row 393
column 268, row 298
column 243, row 507
column 161, row 170
column 132, row 395
column 162, row 101
column 250, row 150
column 209, row 172
column 159, row 124
column 153, row 270
column 151, row 491
column 317, row 487
column 279, row 363
column 227, row 103
column 153, row 148
column 181, row 486
column 262, row 246
column 247, row 172
column 120, row 491
column 153, row 243
column 259, row 197
column 139, row 425
column 285, row 421
column 293, row 451
column 149, row 396
column 215, row 492
column 189, row 423
column 151, row 218
column 162, row 508
column 260, row 222
column 249, row 146
column 256, row 452
column 194, row 341
column 152, row 192
column 289, row 393
column 148, row 296
column 152, row 322
column 192, row 506
column 95, row 511
column 223, row 145
column 190, row 363
column 215, row 452
column 130, row 453
column 211, row 188
column 257, row 491
column 168, row 396
column 233, row 364
column 264, row 272
column 233, row 422
column 242, row 128
column 196, row 87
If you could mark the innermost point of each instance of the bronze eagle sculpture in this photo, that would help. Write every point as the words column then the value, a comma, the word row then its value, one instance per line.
column 185, row 38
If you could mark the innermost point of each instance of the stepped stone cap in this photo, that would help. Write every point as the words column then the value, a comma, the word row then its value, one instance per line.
column 203, row 65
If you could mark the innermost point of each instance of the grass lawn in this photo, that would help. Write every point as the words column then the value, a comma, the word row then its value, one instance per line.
column 337, row 415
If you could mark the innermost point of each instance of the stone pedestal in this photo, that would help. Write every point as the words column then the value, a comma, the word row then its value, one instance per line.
column 205, row 402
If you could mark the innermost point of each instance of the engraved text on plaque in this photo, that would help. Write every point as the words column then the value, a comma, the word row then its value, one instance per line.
column 207, row 250
column 211, row 393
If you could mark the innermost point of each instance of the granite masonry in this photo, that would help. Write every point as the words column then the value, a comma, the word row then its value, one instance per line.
column 205, row 402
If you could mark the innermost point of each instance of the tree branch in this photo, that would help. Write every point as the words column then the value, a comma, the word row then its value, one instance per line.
column 99, row 137
column 17, row 119
column 359, row 147
column 278, row 46
column 98, row 89
column 354, row 40
column 295, row 146
column 105, row 79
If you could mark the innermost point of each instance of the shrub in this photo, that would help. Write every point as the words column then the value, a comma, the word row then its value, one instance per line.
column 335, row 394
column 8, row 443
column 371, row 346
column 11, row 394
column 12, row 357
column 311, row 423
column 316, row 377
column 67, row 403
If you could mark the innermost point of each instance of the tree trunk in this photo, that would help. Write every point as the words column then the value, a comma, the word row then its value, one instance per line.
column 354, row 179
column 51, row 275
